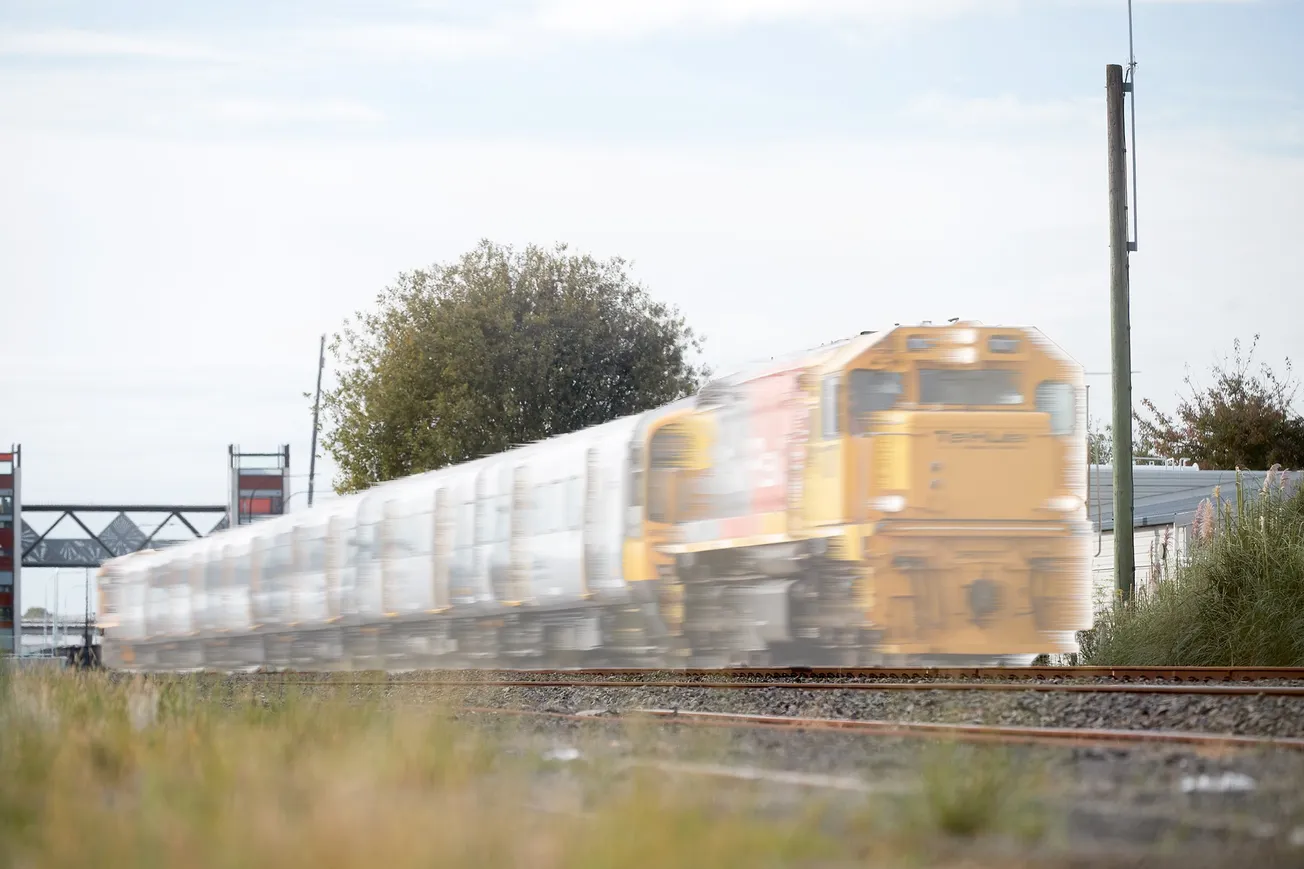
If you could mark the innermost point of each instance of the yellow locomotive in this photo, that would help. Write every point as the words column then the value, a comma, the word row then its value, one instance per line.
column 916, row 493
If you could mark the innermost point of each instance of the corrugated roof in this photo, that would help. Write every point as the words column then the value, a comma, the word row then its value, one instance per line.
column 1166, row 495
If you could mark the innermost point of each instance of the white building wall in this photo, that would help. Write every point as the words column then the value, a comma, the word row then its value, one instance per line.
column 1153, row 547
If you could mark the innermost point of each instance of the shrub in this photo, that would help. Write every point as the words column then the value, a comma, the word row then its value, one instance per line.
column 1237, row 601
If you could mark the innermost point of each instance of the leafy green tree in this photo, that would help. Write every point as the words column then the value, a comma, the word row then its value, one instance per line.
column 498, row 348
column 1243, row 420
column 1100, row 444
column 35, row 612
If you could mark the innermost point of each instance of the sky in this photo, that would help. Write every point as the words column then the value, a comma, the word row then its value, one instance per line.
column 191, row 194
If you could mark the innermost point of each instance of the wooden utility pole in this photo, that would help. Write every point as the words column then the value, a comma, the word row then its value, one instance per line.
column 316, row 405
column 1120, row 335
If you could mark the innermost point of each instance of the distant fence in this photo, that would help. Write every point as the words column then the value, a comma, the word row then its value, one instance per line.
column 34, row 663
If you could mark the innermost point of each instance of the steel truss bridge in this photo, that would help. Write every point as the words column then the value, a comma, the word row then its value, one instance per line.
column 122, row 535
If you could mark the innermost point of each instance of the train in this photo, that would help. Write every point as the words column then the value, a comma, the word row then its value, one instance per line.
column 906, row 496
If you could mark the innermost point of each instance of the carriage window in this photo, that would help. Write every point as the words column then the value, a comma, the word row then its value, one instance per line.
column 363, row 542
column 574, row 502
column 240, row 574
column 213, row 572
column 213, row 595
column 634, row 493
column 484, row 519
column 410, row 530
column 465, row 524
column 314, row 550
column 559, row 505
column 544, row 508
column 502, row 529
column 277, row 561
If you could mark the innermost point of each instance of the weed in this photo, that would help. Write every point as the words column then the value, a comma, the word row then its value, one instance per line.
column 968, row 790
column 1238, row 600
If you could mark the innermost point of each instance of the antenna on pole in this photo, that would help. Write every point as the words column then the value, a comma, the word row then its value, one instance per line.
column 1129, row 89
column 316, row 406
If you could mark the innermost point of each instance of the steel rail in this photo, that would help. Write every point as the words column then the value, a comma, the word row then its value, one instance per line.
column 1169, row 674
column 1202, row 689
column 912, row 729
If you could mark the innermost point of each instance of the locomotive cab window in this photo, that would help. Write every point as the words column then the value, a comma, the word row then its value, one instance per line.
column 872, row 392
column 1056, row 399
column 830, row 393
column 970, row 387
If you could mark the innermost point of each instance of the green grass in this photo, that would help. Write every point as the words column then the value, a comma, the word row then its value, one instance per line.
column 967, row 791
column 194, row 772
column 1239, row 601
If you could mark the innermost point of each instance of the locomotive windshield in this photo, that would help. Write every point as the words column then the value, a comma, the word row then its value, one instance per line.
column 969, row 387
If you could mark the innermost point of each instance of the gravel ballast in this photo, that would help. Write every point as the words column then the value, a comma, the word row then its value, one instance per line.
column 1246, row 715
column 1142, row 805
column 1138, row 804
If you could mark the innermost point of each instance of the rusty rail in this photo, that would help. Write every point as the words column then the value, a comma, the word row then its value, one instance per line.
column 913, row 729
column 1204, row 689
column 1179, row 675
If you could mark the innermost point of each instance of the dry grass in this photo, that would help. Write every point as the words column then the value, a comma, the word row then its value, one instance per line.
column 130, row 773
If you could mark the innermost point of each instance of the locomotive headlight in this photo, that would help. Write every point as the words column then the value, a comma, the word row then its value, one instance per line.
column 964, row 336
column 1063, row 503
column 889, row 504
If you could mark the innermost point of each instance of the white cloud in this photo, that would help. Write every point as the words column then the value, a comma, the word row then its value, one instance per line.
column 445, row 43
column 635, row 17
column 1006, row 111
column 90, row 43
column 203, row 273
column 202, row 101
column 550, row 23
column 264, row 111
column 543, row 23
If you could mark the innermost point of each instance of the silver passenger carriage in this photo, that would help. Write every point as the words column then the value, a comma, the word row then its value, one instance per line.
column 510, row 557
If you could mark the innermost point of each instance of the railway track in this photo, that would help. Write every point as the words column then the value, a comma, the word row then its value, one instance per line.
column 1270, row 690
column 1042, row 678
column 1095, row 737
column 1209, row 708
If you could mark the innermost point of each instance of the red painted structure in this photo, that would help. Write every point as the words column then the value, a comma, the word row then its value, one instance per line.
column 260, row 484
column 11, row 513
